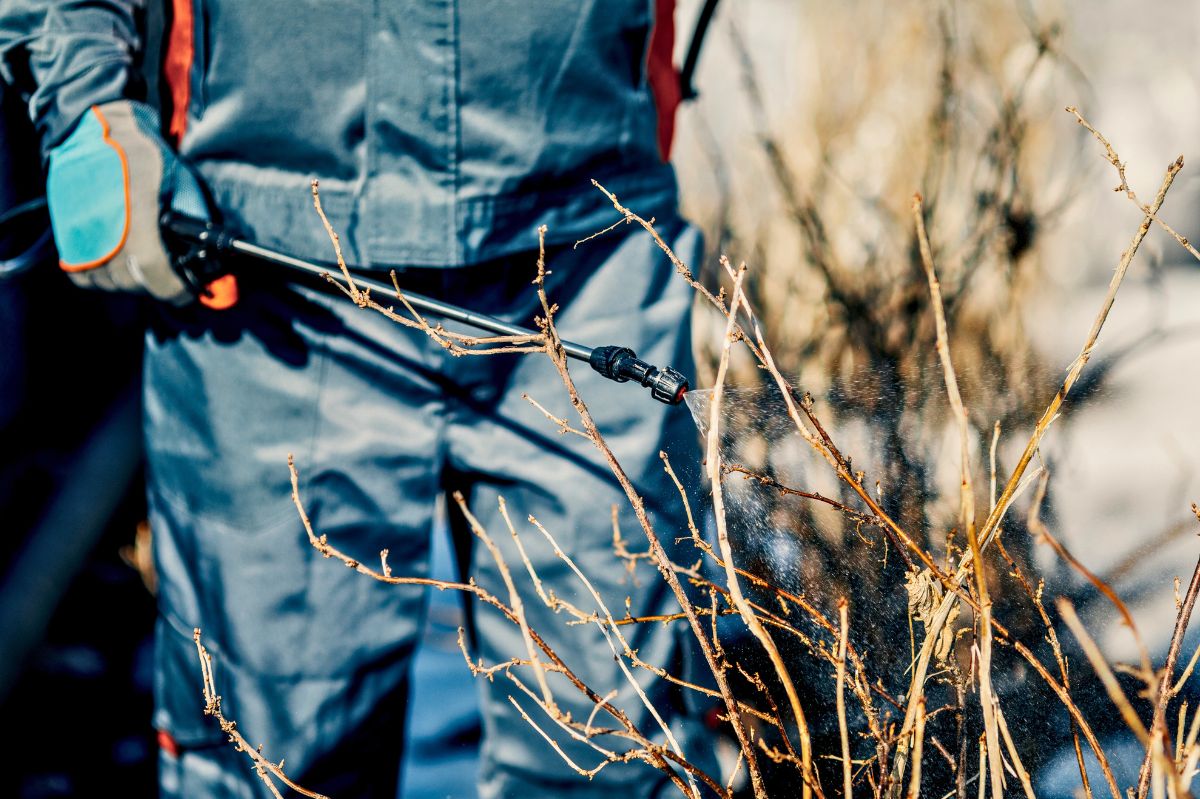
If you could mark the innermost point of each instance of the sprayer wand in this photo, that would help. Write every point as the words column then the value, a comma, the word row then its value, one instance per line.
column 197, row 247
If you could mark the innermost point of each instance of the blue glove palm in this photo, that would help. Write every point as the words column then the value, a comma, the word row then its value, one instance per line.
column 109, row 182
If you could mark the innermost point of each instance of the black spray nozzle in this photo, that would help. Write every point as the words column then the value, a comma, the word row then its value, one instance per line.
column 622, row 364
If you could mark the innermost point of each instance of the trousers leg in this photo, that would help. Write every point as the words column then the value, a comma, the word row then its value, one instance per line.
column 622, row 290
column 310, row 656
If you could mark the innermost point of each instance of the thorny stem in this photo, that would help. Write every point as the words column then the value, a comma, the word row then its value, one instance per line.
column 1015, row 481
column 212, row 707
column 514, row 598
column 823, row 443
column 1074, row 711
column 558, row 357
column 844, row 620
column 1111, row 156
column 819, row 440
column 859, row 683
column 657, row 755
column 1155, row 746
column 1037, row 527
column 758, row 683
column 548, row 342
column 713, row 461
column 589, row 773
column 967, row 505
column 649, row 752
column 914, row 785
column 455, row 343
column 749, row 474
column 1167, row 692
column 608, row 631
column 359, row 297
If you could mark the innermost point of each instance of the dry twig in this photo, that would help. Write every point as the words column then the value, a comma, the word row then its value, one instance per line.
column 265, row 769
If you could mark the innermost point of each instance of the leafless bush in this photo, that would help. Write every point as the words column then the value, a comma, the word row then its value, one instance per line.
column 893, row 648
column 885, row 744
column 959, row 102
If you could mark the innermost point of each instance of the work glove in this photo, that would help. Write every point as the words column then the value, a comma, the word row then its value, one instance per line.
column 109, row 183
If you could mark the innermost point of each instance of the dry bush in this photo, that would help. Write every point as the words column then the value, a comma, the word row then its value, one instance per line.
column 949, row 724
column 961, row 103
column 870, row 626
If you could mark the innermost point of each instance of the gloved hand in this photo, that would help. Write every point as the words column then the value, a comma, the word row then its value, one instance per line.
column 109, row 183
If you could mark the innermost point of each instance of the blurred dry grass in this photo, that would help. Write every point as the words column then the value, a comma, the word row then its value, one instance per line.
column 961, row 102
column 964, row 104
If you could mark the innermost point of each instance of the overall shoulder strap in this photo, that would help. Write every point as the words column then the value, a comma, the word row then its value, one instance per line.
column 693, row 52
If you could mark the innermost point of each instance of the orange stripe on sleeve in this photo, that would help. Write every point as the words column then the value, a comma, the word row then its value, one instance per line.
column 177, row 66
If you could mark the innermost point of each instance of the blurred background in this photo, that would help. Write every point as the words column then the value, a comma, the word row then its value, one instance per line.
column 815, row 124
column 814, row 128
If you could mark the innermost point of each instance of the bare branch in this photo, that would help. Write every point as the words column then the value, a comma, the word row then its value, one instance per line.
column 265, row 769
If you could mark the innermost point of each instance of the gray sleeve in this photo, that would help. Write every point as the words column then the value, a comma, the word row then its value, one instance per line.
column 74, row 53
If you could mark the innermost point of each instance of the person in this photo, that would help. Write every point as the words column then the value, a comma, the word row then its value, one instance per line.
column 443, row 135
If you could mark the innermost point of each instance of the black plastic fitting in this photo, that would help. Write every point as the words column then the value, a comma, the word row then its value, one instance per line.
column 622, row 364
column 196, row 248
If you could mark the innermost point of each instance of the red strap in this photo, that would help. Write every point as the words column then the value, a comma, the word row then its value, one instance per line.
column 177, row 66
column 662, row 75
column 167, row 743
